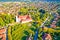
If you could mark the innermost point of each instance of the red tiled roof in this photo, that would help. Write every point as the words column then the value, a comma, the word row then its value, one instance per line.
column 3, row 33
column 25, row 18
column 53, row 26
column 49, row 36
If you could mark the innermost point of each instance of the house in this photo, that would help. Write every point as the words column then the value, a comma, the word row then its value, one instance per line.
column 58, row 16
column 23, row 19
column 56, row 19
column 29, row 38
column 2, row 34
column 53, row 25
column 54, row 22
column 48, row 37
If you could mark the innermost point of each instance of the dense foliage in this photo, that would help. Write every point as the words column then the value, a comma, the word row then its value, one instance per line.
column 6, row 19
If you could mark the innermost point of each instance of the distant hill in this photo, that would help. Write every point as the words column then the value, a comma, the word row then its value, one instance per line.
column 29, row 0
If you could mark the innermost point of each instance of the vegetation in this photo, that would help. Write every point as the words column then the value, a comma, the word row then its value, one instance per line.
column 58, row 23
column 58, row 11
column 6, row 19
column 21, row 31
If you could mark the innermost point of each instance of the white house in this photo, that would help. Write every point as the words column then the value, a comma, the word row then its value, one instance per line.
column 23, row 19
